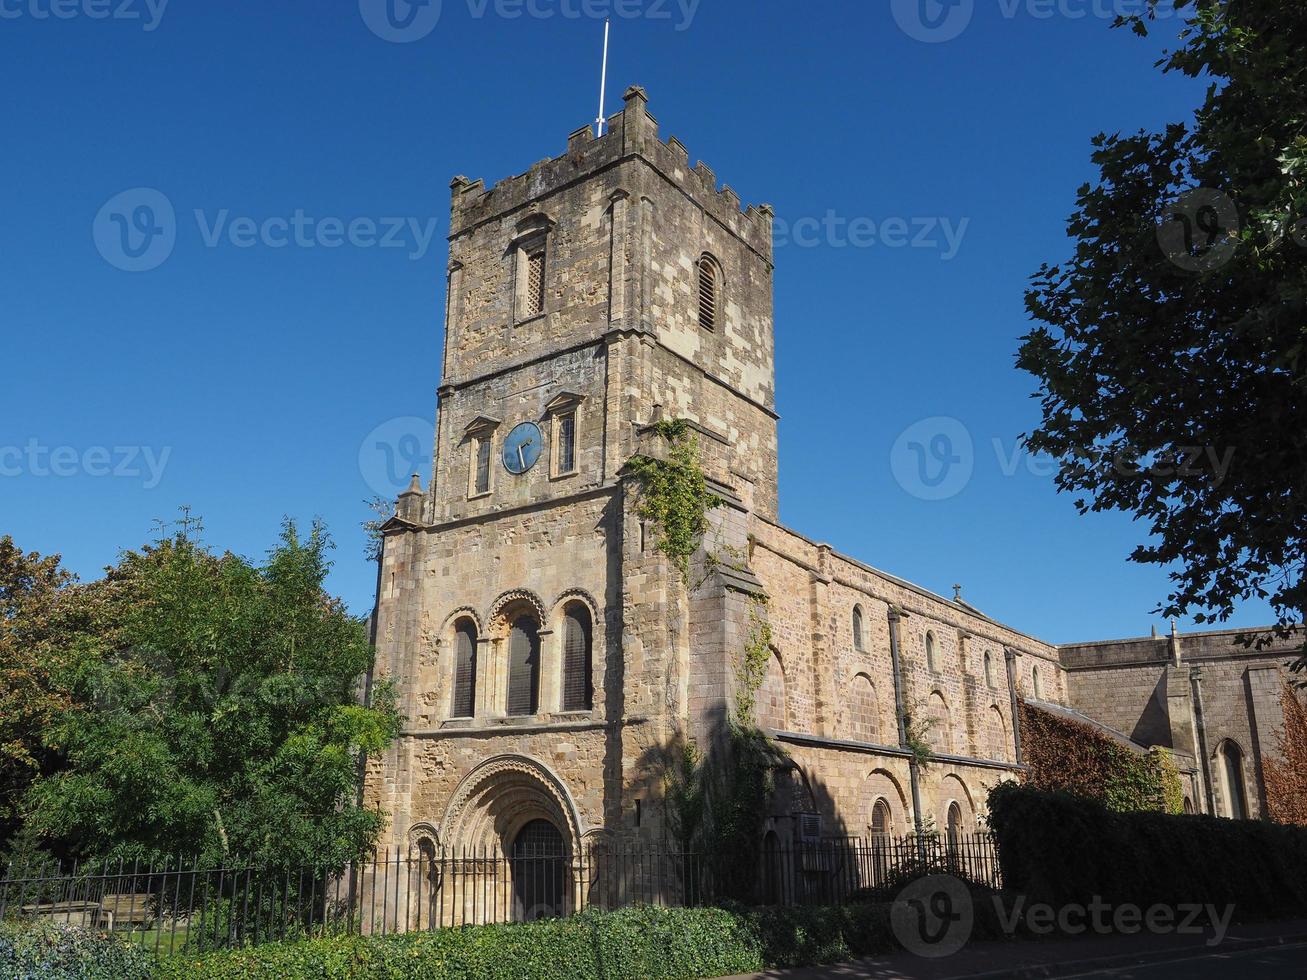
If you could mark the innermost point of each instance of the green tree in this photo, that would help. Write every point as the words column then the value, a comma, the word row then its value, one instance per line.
column 31, row 617
column 1170, row 347
column 219, row 713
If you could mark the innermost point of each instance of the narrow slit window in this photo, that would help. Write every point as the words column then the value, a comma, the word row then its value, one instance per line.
column 483, row 466
column 567, row 443
column 535, row 283
column 708, row 298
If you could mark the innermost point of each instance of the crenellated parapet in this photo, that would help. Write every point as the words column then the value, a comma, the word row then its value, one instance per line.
column 631, row 133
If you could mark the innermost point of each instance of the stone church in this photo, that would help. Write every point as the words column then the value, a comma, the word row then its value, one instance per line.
column 545, row 652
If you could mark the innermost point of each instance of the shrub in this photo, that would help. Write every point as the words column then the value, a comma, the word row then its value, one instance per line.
column 1061, row 849
column 48, row 952
column 631, row 944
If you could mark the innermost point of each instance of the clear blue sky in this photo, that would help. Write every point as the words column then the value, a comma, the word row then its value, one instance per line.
column 261, row 371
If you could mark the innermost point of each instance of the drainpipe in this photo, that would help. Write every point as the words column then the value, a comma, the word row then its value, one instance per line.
column 1200, row 730
column 1010, row 659
column 914, row 767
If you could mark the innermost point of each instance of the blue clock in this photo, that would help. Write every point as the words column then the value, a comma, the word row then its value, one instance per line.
column 523, row 447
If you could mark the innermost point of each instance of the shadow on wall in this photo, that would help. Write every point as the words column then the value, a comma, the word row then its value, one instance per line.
column 764, row 825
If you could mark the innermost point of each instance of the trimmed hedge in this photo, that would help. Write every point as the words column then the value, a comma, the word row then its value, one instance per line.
column 630, row 944
column 48, row 952
column 1061, row 849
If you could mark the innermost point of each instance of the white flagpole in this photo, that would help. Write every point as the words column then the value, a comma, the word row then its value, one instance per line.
column 603, row 82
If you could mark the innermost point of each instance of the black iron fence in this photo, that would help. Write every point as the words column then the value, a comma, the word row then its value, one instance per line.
column 177, row 906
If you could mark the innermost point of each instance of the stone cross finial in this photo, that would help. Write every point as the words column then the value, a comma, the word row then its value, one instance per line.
column 957, row 593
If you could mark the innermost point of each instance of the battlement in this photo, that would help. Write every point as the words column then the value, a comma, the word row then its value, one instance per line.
column 631, row 134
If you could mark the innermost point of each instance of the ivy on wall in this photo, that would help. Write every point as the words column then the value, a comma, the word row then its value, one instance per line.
column 674, row 494
column 1172, row 786
column 1286, row 777
column 1070, row 756
column 754, row 659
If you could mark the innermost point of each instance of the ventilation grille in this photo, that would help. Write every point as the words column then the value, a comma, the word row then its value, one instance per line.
column 535, row 284
column 707, row 295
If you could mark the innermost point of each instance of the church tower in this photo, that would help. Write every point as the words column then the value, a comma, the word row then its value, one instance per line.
column 541, row 648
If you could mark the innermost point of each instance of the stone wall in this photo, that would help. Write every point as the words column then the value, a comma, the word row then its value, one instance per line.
column 1145, row 687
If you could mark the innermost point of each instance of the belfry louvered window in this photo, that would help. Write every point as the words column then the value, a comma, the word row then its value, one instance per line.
column 465, row 669
column 709, row 281
column 535, row 282
column 524, row 667
column 577, row 645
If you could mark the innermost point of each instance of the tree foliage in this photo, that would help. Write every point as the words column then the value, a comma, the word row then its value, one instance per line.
column 1171, row 347
column 214, row 712
column 33, row 621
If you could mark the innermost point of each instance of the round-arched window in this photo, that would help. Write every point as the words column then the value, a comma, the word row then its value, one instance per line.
column 882, row 821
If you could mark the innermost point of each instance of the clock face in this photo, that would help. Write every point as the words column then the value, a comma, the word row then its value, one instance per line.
column 522, row 447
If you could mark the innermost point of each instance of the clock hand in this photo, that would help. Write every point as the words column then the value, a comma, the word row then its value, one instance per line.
column 520, row 461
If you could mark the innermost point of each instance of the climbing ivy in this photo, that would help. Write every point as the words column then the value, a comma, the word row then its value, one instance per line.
column 674, row 494
column 1062, row 754
column 1172, row 787
column 754, row 659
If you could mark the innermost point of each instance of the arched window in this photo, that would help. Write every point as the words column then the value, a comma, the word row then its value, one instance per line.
column 524, row 667
column 577, row 641
column 709, row 292
column 857, row 627
column 989, row 669
column 932, row 660
column 465, row 669
column 954, row 824
column 864, row 711
column 1236, row 801
column 1034, row 683
column 771, row 694
column 998, row 735
column 882, row 822
column 940, row 734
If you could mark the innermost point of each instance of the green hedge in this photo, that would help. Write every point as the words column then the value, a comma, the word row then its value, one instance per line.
column 631, row 944
column 1060, row 849
column 64, row 953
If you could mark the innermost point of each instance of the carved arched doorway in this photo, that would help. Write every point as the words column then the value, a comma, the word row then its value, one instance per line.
column 539, row 872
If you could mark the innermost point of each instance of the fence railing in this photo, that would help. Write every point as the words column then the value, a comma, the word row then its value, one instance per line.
column 179, row 906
